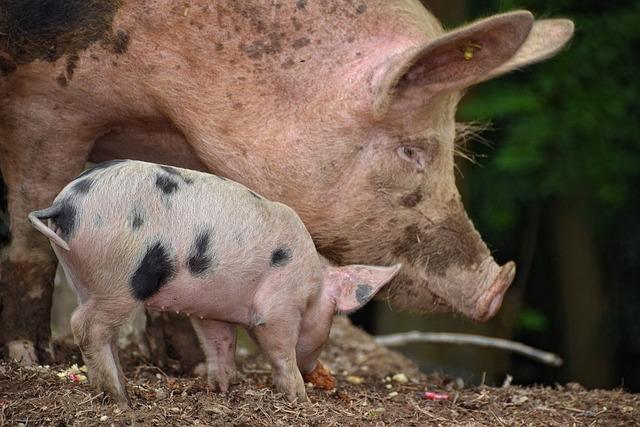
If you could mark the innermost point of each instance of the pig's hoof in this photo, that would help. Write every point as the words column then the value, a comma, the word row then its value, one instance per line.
column 200, row 370
column 301, row 394
column 221, row 383
column 218, row 386
column 116, row 393
column 123, row 405
column 121, row 401
column 299, row 397
column 22, row 352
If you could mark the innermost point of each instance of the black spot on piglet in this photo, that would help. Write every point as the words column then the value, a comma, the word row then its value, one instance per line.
column 200, row 258
column 280, row 257
column 173, row 171
column 136, row 222
column 136, row 218
column 155, row 269
column 170, row 170
column 64, row 217
column 103, row 165
column 363, row 292
column 166, row 184
column 82, row 186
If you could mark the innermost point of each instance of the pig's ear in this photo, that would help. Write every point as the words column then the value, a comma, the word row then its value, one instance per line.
column 352, row 286
column 547, row 38
column 463, row 57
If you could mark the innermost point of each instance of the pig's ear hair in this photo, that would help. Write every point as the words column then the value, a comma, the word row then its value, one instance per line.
column 463, row 57
column 352, row 286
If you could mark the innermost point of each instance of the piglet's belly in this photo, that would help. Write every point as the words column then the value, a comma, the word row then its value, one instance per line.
column 213, row 301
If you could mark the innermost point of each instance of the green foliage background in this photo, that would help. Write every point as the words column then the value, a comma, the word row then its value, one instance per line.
column 569, row 127
column 566, row 131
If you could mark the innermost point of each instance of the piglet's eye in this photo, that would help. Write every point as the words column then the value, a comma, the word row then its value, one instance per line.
column 413, row 155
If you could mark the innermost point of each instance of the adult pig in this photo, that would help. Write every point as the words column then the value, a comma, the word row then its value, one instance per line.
column 133, row 232
column 343, row 110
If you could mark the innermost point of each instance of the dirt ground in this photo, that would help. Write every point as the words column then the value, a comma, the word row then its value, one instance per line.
column 367, row 393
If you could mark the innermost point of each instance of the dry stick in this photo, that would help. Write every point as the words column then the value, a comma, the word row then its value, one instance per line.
column 395, row 340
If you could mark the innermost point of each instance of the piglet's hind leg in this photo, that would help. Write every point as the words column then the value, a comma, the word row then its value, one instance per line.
column 95, row 329
column 218, row 341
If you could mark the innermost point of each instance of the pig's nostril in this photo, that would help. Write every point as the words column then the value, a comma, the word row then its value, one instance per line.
column 489, row 305
column 495, row 306
column 508, row 272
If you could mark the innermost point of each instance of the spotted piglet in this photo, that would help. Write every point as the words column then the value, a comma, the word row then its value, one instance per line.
column 130, row 233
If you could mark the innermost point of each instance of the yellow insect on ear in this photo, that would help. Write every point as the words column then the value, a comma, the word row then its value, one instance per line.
column 469, row 50
column 468, row 53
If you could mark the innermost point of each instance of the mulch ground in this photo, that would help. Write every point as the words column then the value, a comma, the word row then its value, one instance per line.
column 366, row 394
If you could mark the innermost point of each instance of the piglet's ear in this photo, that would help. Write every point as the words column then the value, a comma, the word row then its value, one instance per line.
column 352, row 286
column 453, row 61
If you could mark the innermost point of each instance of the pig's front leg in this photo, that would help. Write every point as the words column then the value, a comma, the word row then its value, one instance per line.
column 218, row 340
column 277, row 336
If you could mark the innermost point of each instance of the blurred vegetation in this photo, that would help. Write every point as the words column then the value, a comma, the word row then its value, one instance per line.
column 561, row 176
column 569, row 128
column 555, row 188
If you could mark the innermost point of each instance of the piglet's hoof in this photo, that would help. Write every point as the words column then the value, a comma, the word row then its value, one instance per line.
column 320, row 377
column 123, row 405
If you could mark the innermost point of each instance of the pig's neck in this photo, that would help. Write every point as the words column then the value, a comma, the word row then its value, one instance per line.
column 315, row 327
column 321, row 307
column 320, row 311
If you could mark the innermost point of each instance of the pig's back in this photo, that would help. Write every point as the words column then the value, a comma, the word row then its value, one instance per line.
column 207, row 227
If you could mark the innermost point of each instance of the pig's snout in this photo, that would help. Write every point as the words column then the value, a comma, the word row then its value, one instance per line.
column 489, row 303
column 476, row 292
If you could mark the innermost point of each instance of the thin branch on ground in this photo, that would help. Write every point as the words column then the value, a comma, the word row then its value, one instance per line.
column 403, row 338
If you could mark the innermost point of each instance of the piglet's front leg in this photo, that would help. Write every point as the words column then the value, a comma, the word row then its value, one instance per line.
column 277, row 341
column 218, row 340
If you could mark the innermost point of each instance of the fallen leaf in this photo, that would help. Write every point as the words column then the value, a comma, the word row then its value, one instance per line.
column 320, row 377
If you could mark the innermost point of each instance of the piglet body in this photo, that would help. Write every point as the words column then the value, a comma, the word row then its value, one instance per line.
column 130, row 233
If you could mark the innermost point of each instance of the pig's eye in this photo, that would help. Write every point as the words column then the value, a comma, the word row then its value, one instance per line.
column 413, row 155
